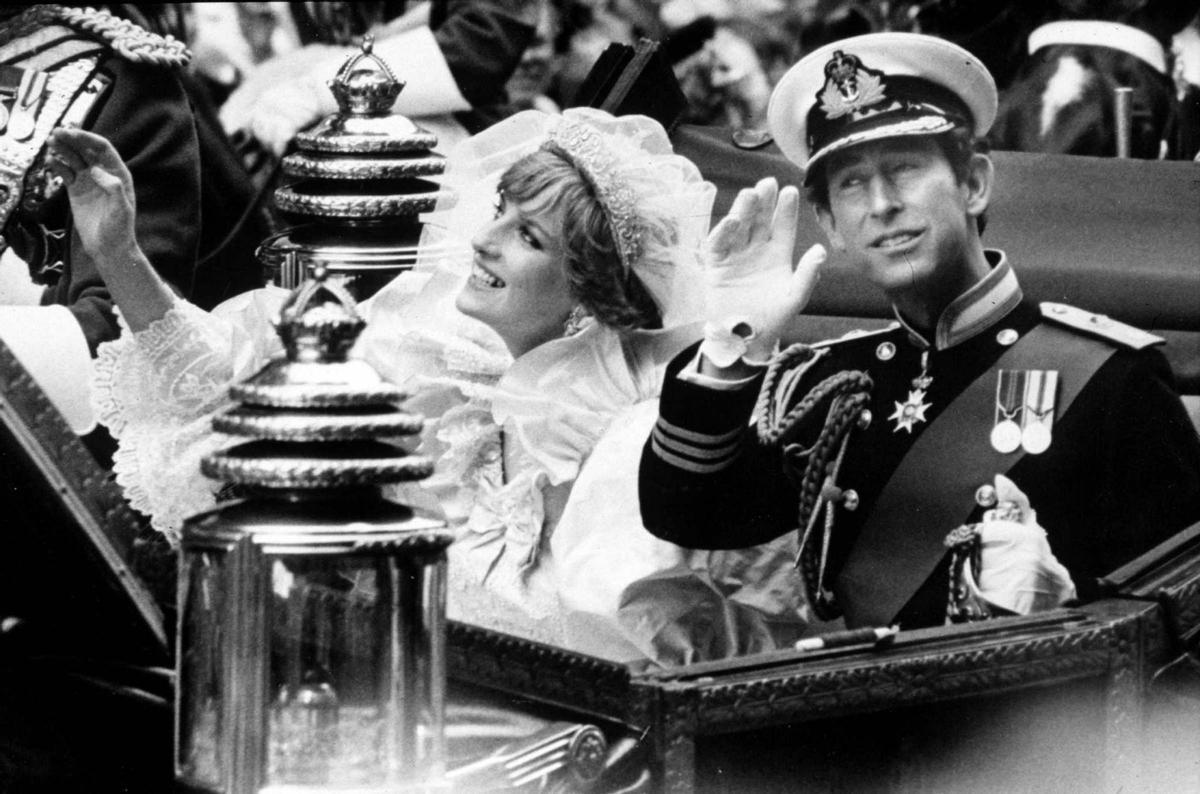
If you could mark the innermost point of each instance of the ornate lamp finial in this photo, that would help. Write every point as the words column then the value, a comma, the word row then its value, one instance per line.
column 319, row 323
column 366, row 85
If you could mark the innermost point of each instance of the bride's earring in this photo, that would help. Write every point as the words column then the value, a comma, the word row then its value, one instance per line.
column 576, row 321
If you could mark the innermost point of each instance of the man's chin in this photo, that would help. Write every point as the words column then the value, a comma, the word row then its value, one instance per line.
column 895, row 275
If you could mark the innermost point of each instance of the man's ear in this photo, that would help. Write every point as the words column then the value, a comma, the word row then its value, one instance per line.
column 981, row 175
column 825, row 220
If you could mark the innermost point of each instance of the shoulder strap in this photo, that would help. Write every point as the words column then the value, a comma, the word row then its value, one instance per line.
column 1099, row 325
column 932, row 490
column 132, row 42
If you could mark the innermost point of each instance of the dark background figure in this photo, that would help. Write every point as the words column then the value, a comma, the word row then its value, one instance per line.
column 1186, row 73
column 71, row 65
column 235, row 177
column 1061, row 99
column 140, row 105
column 995, row 31
column 482, row 42
column 267, row 66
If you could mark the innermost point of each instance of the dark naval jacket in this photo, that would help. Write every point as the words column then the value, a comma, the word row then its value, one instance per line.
column 128, row 90
column 1121, row 472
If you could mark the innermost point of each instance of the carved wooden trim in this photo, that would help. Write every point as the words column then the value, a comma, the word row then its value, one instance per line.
column 815, row 691
column 1185, row 598
column 584, row 684
column 89, row 496
column 1116, row 642
column 675, row 734
column 1124, row 725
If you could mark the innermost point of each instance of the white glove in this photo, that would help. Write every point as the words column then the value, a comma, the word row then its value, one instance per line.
column 752, row 290
column 1018, row 571
column 284, row 95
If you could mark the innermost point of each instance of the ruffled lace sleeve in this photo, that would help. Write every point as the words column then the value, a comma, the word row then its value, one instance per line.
column 158, row 390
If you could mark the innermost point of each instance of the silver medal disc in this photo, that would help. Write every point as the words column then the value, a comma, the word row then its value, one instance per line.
column 1036, row 438
column 1006, row 436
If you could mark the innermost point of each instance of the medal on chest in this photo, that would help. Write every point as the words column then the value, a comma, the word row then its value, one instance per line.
column 1024, row 416
column 1010, row 404
column 912, row 410
column 1040, row 390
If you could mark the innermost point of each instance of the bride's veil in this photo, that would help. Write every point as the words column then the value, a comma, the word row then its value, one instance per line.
column 673, row 205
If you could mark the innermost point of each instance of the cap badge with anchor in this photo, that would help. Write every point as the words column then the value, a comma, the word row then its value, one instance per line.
column 876, row 86
column 849, row 86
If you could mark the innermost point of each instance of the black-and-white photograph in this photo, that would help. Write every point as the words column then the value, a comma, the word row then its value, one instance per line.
column 600, row 396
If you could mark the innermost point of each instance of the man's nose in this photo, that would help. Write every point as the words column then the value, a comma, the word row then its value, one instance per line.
column 884, row 197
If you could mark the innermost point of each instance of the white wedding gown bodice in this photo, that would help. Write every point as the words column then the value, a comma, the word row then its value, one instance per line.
column 536, row 468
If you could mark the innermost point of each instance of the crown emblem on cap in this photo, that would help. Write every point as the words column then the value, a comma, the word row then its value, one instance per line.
column 849, row 86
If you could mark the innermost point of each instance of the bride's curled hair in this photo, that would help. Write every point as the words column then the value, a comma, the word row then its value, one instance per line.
column 598, row 279
column 644, row 274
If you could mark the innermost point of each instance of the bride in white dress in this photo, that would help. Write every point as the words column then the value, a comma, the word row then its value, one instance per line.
column 536, row 353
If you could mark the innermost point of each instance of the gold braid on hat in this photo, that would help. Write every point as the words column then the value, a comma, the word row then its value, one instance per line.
column 583, row 147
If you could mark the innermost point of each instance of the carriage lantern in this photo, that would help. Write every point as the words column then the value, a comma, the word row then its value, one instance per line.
column 310, row 650
column 355, row 186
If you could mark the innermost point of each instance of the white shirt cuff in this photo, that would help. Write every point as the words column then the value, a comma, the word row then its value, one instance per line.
column 691, row 374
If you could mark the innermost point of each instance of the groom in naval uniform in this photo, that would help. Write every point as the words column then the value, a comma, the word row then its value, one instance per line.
column 877, row 446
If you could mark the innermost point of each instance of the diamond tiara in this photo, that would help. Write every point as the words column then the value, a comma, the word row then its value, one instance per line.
column 584, row 147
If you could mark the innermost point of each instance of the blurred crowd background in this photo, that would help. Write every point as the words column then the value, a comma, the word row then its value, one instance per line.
column 727, row 54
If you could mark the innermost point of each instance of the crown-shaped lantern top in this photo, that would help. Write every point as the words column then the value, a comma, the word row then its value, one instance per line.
column 366, row 85
column 319, row 323
column 318, row 418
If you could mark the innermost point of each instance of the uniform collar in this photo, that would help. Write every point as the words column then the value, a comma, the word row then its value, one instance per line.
column 976, row 310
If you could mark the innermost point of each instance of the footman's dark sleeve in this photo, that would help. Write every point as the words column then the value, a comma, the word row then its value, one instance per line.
column 483, row 42
column 146, row 116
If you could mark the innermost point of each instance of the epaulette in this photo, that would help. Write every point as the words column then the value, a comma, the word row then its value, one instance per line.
column 858, row 333
column 130, row 41
column 1099, row 325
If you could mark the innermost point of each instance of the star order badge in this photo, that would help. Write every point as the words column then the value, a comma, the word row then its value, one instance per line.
column 911, row 411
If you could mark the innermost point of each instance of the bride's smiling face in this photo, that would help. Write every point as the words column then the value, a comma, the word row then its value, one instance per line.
column 518, row 284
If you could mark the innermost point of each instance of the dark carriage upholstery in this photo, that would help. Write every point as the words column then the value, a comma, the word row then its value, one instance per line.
column 1118, row 237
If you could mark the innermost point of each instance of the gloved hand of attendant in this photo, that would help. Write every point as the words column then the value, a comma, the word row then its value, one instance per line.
column 284, row 95
column 752, row 288
column 1018, row 571
column 290, row 92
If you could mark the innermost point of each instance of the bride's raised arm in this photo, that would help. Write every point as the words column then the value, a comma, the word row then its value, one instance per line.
column 157, row 386
column 102, row 205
